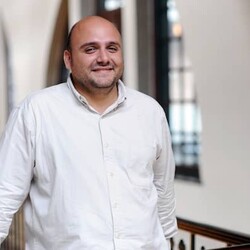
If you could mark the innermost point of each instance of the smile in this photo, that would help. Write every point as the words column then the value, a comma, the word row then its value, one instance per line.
column 102, row 69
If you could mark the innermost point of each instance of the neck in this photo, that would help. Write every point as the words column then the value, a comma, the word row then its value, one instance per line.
column 100, row 99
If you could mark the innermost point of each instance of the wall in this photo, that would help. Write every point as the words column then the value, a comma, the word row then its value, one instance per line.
column 3, row 79
column 28, row 30
column 217, row 40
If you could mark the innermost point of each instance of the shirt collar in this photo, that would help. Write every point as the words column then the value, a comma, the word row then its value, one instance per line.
column 121, row 93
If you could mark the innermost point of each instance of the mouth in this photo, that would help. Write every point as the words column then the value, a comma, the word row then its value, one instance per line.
column 102, row 69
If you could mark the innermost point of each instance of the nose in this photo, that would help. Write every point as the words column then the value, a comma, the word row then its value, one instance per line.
column 103, row 56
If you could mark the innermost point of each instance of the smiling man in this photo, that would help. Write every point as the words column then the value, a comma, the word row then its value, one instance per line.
column 90, row 158
column 94, row 56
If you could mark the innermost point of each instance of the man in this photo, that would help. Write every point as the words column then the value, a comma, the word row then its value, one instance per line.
column 90, row 159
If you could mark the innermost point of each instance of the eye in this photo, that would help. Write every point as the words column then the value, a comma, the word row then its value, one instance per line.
column 90, row 50
column 112, row 49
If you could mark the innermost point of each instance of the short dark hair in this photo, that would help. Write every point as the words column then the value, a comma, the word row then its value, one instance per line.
column 68, row 42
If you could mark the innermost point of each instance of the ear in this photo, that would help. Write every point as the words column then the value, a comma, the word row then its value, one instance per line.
column 67, row 59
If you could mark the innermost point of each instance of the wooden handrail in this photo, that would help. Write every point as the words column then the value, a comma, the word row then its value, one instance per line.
column 227, row 236
column 238, row 247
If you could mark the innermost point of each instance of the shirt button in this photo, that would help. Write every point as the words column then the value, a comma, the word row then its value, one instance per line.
column 115, row 205
column 111, row 174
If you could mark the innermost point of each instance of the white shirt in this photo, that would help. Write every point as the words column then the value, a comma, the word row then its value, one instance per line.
column 88, row 181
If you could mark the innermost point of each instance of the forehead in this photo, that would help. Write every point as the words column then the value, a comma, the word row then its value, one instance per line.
column 97, row 31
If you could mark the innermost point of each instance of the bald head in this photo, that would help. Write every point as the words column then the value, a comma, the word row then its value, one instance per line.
column 94, row 55
column 90, row 22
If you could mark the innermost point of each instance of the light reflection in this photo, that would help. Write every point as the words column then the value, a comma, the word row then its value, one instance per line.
column 113, row 4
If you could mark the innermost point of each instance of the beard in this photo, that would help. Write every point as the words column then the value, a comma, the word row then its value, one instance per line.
column 96, row 82
column 104, row 77
column 99, row 82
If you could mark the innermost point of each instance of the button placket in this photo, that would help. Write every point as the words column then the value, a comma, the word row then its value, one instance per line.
column 111, row 171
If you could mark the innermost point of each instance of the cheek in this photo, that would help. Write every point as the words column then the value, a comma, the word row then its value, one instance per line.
column 81, row 60
column 120, row 62
column 121, row 66
column 79, row 66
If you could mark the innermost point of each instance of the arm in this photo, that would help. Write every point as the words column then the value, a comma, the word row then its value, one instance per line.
column 164, row 171
column 16, row 164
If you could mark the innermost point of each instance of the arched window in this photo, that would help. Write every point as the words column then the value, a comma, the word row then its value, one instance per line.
column 6, row 82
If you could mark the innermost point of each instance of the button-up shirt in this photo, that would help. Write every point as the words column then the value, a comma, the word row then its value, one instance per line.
column 88, row 180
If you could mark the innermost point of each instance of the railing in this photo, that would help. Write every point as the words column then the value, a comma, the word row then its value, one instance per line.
column 238, row 247
column 15, row 240
column 233, row 240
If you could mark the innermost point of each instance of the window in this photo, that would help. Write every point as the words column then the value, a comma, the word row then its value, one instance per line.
column 109, row 5
column 176, row 91
column 113, row 4
column 111, row 10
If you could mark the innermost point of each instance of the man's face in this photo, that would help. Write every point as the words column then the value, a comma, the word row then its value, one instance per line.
column 95, row 59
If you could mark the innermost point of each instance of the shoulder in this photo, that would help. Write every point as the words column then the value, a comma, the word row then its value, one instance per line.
column 146, row 102
column 41, row 101
column 46, row 95
column 137, row 96
column 38, row 104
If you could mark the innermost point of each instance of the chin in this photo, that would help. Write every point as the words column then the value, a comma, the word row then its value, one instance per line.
column 104, row 84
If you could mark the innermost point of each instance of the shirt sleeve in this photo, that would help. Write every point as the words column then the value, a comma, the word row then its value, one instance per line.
column 164, row 172
column 16, row 164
